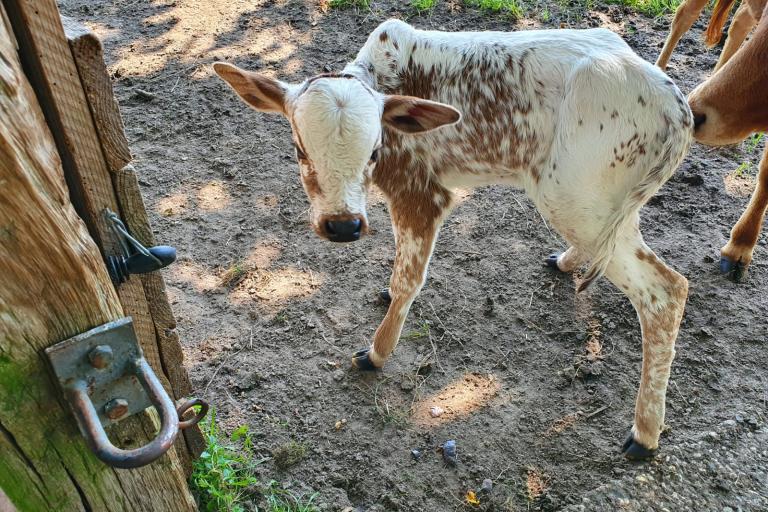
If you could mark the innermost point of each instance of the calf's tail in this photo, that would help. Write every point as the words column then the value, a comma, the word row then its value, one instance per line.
column 714, row 30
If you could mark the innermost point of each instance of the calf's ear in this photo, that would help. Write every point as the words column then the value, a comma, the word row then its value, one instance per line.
column 260, row 92
column 414, row 115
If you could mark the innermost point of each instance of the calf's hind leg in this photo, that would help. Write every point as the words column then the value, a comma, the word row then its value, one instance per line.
column 737, row 253
column 658, row 294
column 741, row 25
column 685, row 16
column 567, row 261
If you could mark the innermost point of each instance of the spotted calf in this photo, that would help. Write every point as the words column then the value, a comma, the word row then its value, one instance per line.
column 586, row 127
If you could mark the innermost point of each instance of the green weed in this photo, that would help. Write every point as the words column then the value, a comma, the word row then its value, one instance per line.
column 233, row 274
column 365, row 4
column 421, row 332
column 223, row 476
column 742, row 170
column 288, row 454
column 652, row 8
column 423, row 5
column 509, row 7
column 753, row 141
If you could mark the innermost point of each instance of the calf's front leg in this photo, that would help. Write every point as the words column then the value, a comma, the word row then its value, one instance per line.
column 737, row 253
column 416, row 223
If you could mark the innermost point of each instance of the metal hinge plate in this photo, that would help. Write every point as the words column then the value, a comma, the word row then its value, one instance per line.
column 103, row 359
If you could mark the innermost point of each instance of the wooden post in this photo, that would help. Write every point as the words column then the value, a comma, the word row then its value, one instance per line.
column 88, row 56
column 54, row 285
column 71, row 80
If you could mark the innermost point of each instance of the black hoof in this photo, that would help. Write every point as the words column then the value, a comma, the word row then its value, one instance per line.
column 362, row 361
column 633, row 450
column 733, row 269
column 385, row 296
column 551, row 261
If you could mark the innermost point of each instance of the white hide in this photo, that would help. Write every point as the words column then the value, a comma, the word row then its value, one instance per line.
column 338, row 122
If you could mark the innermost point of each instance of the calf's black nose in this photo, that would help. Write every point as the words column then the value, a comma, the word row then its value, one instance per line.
column 698, row 120
column 343, row 230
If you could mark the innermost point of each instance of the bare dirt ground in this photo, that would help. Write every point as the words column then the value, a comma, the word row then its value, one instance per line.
column 538, row 384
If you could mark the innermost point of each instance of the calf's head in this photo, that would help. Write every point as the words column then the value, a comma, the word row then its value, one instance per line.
column 337, row 123
column 733, row 102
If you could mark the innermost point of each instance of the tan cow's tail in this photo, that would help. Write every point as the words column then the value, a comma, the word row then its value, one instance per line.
column 714, row 30
column 674, row 148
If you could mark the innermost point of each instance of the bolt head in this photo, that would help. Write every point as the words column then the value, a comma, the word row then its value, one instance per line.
column 100, row 356
column 116, row 408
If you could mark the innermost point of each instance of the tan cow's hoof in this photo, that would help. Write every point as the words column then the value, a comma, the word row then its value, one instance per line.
column 735, row 270
column 633, row 450
column 385, row 296
column 362, row 361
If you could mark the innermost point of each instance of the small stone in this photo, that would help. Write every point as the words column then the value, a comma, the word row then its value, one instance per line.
column 142, row 95
column 338, row 375
column 487, row 486
column 436, row 412
column 739, row 418
column 407, row 384
column 340, row 424
column 729, row 423
column 712, row 436
column 449, row 452
column 416, row 454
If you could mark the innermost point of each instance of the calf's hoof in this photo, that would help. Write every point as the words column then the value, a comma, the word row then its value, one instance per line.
column 551, row 261
column 385, row 296
column 362, row 360
column 734, row 270
column 633, row 450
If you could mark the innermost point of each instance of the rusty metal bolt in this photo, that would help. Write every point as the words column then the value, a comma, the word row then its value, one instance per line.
column 116, row 408
column 100, row 356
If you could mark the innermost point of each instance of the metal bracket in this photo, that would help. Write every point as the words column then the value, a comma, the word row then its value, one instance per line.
column 135, row 258
column 105, row 378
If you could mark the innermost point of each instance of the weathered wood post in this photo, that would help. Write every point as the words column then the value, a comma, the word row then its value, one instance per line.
column 54, row 285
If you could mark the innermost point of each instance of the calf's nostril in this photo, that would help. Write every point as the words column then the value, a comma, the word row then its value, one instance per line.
column 698, row 119
column 343, row 230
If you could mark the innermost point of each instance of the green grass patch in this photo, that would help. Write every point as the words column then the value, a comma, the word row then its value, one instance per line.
column 280, row 500
column 652, row 8
column 509, row 7
column 365, row 4
column 423, row 5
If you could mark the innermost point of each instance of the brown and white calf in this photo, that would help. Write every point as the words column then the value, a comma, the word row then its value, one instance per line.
column 728, row 107
column 584, row 125
column 746, row 17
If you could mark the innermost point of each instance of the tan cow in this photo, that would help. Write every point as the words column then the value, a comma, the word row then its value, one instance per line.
column 746, row 17
column 728, row 107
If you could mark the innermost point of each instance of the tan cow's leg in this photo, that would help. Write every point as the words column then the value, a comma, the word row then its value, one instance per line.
column 737, row 253
column 416, row 230
column 658, row 294
column 685, row 16
column 741, row 25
